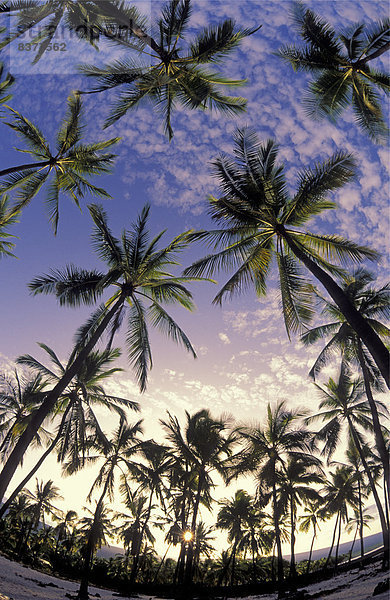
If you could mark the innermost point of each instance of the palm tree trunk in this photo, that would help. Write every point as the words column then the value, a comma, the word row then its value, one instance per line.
column 311, row 550
column 134, row 568
column 41, row 164
column 293, row 571
column 361, row 525
column 337, row 547
column 48, row 404
column 233, row 557
column 22, row 484
column 332, row 544
column 161, row 563
column 380, row 442
column 365, row 332
column 190, row 551
column 382, row 518
column 277, row 536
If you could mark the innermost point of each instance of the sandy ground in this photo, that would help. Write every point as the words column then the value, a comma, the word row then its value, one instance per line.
column 20, row 583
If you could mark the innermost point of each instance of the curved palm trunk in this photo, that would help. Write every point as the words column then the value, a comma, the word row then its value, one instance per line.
column 190, row 551
column 48, row 404
column 353, row 543
column 371, row 340
column 337, row 547
column 22, row 484
column 361, row 525
column 311, row 549
column 380, row 442
column 333, row 539
column 25, row 167
column 233, row 557
column 382, row 518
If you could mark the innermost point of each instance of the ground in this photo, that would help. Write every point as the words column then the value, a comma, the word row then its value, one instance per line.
column 20, row 583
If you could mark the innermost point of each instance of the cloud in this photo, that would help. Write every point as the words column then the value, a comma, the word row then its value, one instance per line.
column 224, row 338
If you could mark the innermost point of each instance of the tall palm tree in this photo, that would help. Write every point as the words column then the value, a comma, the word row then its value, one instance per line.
column 260, row 221
column 342, row 403
column 268, row 449
column 172, row 74
column 339, row 493
column 79, row 422
column 137, row 270
column 41, row 504
column 65, row 524
column 95, row 530
column 296, row 488
column 20, row 396
column 374, row 305
column 116, row 454
column 149, row 475
column 315, row 512
column 205, row 445
column 233, row 516
column 340, row 64
column 67, row 167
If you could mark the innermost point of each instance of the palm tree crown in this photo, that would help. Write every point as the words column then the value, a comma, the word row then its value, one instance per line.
column 71, row 163
column 341, row 63
column 260, row 221
column 177, row 74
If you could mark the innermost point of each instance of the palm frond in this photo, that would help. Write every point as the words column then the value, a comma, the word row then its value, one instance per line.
column 215, row 42
column 314, row 30
column 377, row 36
column 70, row 131
column 30, row 134
column 137, row 340
column 367, row 109
column 296, row 295
column 333, row 247
column 329, row 95
column 72, row 286
column 104, row 243
column 164, row 322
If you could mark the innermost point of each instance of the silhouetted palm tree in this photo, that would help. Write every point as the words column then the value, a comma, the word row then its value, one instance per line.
column 261, row 222
column 340, row 63
column 70, row 164
column 172, row 75
column 137, row 272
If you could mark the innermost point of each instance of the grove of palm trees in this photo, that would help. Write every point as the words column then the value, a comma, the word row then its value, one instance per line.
column 194, row 367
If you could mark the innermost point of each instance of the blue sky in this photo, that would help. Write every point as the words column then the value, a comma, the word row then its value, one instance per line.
column 244, row 357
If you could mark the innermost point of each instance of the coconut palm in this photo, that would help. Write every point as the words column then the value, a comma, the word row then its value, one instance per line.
column 174, row 73
column 296, row 488
column 20, row 396
column 137, row 270
column 260, row 221
column 8, row 218
column 357, row 523
column 268, row 450
column 233, row 516
column 204, row 446
column 66, row 169
column 339, row 493
column 342, row 70
column 41, row 504
column 149, row 475
column 315, row 512
column 83, row 18
column 95, row 530
column 374, row 305
column 116, row 453
column 65, row 525
column 342, row 403
column 79, row 422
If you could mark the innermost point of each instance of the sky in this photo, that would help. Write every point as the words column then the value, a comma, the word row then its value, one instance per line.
column 245, row 359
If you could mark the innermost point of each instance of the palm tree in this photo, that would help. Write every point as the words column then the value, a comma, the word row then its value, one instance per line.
column 296, row 488
column 79, row 422
column 66, row 523
column 339, row 493
column 340, row 64
column 150, row 476
column 70, row 164
column 5, row 83
column 374, row 305
column 95, row 530
column 7, row 217
column 117, row 453
column 204, row 446
column 137, row 270
column 342, row 402
column 172, row 75
column 83, row 18
column 314, row 513
column 19, row 398
column 41, row 504
column 233, row 516
column 259, row 220
column 268, row 449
